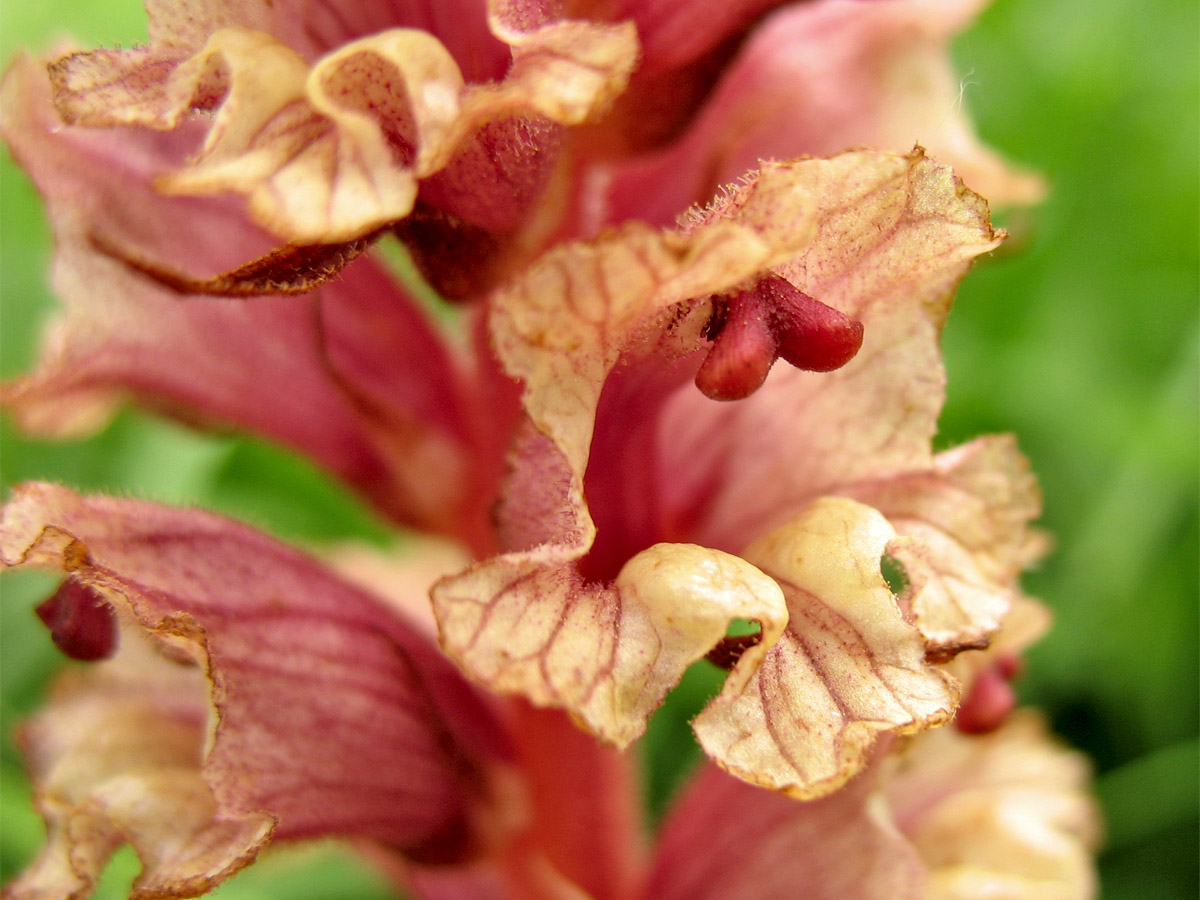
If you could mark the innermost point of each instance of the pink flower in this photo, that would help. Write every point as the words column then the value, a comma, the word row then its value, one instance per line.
column 599, row 425
column 640, row 519
column 253, row 694
column 256, row 696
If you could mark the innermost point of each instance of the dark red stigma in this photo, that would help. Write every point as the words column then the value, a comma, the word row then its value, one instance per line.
column 752, row 328
column 81, row 624
column 991, row 698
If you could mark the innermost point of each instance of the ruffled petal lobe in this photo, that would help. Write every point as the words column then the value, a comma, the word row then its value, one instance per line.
column 331, row 151
column 848, row 669
column 967, row 523
column 115, row 758
column 1007, row 815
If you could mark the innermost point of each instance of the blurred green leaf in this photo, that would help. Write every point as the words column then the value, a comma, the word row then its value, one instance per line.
column 1152, row 794
column 325, row 870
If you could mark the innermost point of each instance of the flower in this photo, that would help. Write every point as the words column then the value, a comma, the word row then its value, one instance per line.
column 646, row 518
column 601, row 424
column 256, row 695
column 325, row 712
column 944, row 817
column 329, row 132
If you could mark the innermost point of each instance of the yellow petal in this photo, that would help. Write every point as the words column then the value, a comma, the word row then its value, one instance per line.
column 848, row 669
column 331, row 152
column 1005, row 816
column 115, row 757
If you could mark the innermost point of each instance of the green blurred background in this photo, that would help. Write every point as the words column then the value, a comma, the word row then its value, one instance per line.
column 1082, row 337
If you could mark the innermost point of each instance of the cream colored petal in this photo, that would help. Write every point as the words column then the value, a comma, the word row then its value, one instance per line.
column 115, row 758
column 1006, row 816
column 173, row 26
column 325, row 154
column 847, row 670
column 967, row 537
column 105, row 88
column 607, row 654
column 566, row 71
column 332, row 152
column 953, row 605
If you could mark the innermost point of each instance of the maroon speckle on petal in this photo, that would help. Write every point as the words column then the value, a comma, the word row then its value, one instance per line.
column 80, row 622
column 771, row 320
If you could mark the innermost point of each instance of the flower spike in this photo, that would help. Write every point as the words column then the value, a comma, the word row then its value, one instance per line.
column 587, row 522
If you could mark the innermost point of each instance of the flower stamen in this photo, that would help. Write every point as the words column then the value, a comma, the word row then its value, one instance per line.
column 991, row 700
